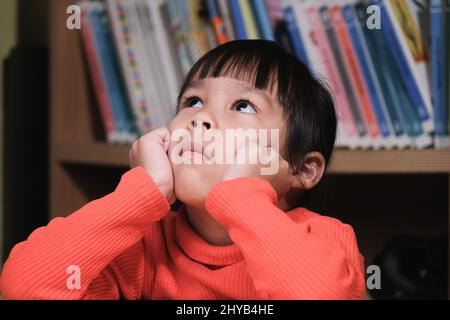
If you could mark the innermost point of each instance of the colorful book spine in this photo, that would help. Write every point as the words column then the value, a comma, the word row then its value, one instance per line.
column 406, row 16
column 330, row 33
column 217, row 22
column 438, row 70
column 312, row 49
column 354, row 72
column 412, row 87
column 368, row 71
column 343, row 109
column 97, row 79
column 262, row 19
column 401, row 109
column 128, row 63
column 198, row 37
column 294, row 35
column 447, row 59
column 446, row 36
column 163, row 102
column 180, row 37
column 238, row 20
column 275, row 11
column 111, row 73
column 226, row 16
column 169, row 68
column 249, row 19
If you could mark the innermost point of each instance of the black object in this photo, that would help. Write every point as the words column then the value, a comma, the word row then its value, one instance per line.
column 25, row 144
column 413, row 268
column 281, row 35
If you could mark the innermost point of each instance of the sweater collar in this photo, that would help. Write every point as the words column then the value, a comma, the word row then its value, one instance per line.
column 198, row 249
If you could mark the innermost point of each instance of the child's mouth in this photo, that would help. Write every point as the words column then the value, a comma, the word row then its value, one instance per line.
column 192, row 150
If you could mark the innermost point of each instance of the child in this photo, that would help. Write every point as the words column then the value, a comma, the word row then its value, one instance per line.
column 238, row 234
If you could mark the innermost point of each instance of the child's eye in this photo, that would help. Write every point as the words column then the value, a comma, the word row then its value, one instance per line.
column 245, row 106
column 192, row 102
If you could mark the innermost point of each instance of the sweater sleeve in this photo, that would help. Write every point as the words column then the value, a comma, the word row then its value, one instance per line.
column 94, row 253
column 317, row 258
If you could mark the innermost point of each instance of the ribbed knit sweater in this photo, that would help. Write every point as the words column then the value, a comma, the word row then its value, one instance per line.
column 129, row 245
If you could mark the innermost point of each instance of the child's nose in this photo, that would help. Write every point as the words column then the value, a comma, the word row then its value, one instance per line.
column 199, row 123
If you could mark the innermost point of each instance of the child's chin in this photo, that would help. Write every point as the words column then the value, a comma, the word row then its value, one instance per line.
column 192, row 192
column 191, row 200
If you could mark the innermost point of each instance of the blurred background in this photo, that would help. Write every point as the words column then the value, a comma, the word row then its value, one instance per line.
column 81, row 80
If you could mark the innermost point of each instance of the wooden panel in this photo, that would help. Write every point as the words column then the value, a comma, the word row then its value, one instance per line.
column 93, row 153
column 344, row 161
column 72, row 100
column 72, row 106
column 390, row 161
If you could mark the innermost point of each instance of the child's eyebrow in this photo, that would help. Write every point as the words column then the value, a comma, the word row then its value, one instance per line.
column 194, row 84
column 260, row 92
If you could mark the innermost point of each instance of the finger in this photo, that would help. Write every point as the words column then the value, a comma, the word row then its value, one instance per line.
column 130, row 155
column 163, row 135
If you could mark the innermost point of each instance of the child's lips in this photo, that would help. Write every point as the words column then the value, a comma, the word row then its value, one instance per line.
column 192, row 150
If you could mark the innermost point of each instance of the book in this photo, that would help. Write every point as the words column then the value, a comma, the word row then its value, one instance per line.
column 202, row 37
column 355, row 75
column 347, row 127
column 249, row 19
column 330, row 33
column 95, row 12
column 238, row 20
column 161, row 67
column 125, row 47
column 312, row 50
column 447, row 57
column 226, row 16
column 275, row 11
column 369, row 75
column 98, row 82
column 403, row 59
column 181, row 36
column 439, row 67
column 376, row 47
column 217, row 22
column 144, row 55
column 294, row 35
column 395, row 85
column 262, row 19
column 165, row 56
column 414, row 20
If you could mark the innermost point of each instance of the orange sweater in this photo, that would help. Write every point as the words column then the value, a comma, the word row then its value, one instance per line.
column 129, row 245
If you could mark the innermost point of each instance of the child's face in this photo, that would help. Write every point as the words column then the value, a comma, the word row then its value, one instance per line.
column 218, row 104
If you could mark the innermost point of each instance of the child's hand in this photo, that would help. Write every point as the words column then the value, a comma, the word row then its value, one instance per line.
column 150, row 152
column 280, row 179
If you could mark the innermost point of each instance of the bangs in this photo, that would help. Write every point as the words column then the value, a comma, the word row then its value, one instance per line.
column 243, row 61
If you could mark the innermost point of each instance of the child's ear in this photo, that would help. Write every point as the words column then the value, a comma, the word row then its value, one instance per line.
column 310, row 171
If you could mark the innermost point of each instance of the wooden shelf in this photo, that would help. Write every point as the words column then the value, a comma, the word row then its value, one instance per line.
column 344, row 161
column 391, row 161
column 93, row 153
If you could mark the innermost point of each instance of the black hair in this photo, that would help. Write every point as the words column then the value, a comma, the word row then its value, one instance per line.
column 308, row 108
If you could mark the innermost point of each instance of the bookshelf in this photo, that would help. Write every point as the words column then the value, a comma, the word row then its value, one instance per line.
column 344, row 161
column 83, row 167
